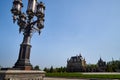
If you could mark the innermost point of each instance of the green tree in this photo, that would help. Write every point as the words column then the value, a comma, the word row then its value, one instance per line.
column 64, row 69
column 91, row 68
column 36, row 67
column 113, row 66
column 0, row 67
column 46, row 69
column 51, row 69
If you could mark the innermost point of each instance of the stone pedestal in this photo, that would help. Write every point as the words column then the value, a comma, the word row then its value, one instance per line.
column 21, row 75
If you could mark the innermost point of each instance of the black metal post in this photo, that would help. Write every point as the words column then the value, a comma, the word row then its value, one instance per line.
column 23, row 61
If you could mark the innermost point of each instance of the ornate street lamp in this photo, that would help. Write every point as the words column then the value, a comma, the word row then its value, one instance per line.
column 27, row 25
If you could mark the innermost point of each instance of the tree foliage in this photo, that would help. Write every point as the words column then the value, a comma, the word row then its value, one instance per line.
column 36, row 67
column 55, row 70
column 111, row 66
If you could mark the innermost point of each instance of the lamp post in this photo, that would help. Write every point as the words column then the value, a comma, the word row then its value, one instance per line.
column 29, row 22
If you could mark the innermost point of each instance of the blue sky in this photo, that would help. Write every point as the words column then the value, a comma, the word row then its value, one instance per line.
column 89, row 27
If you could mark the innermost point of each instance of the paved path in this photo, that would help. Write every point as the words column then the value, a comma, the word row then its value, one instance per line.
column 47, row 78
column 101, row 73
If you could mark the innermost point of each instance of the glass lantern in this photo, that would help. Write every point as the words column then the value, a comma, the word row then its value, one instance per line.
column 22, row 21
column 40, row 23
column 40, row 10
column 31, row 7
column 17, row 5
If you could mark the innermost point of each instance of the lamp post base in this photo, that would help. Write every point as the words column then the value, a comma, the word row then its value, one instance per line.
column 23, row 62
column 23, row 67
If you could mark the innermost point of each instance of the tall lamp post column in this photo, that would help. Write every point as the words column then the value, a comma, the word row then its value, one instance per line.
column 27, row 24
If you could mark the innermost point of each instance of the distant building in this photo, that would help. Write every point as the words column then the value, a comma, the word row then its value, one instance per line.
column 76, row 64
column 101, row 65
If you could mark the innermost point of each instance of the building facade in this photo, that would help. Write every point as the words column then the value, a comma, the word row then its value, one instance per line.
column 76, row 64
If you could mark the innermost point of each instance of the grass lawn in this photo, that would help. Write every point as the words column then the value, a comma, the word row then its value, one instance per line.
column 80, row 75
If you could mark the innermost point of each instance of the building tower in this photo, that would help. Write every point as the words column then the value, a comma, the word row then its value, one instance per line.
column 76, row 64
